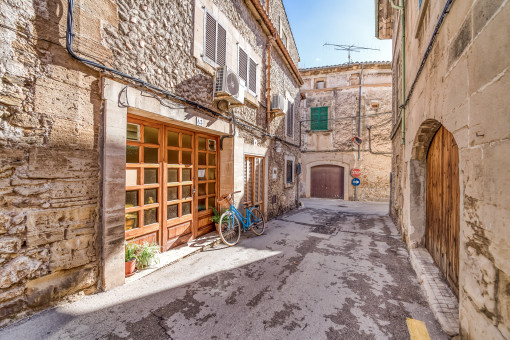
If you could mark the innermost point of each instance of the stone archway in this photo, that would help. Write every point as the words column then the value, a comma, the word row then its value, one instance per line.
column 418, row 182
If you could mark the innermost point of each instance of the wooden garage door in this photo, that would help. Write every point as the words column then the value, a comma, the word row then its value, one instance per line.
column 443, row 205
column 327, row 181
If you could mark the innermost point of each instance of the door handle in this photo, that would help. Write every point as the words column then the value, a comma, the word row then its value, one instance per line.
column 193, row 194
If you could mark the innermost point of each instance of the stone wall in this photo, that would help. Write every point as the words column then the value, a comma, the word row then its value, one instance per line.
column 463, row 87
column 50, row 172
column 335, row 146
column 51, row 128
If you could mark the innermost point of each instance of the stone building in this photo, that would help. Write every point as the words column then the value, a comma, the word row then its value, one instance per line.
column 135, row 136
column 332, row 113
column 451, row 131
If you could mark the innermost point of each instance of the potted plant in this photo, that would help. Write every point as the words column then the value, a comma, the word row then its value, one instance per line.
column 130, row 257
column 216, row 219
column 147, row 255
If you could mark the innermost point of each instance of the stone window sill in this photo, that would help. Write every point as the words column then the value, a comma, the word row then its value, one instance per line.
column 319, row 131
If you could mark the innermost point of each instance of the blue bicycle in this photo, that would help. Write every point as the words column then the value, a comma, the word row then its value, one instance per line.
column 231, row 220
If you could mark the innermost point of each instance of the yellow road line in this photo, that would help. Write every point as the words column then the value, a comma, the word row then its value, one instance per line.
column 417, row 329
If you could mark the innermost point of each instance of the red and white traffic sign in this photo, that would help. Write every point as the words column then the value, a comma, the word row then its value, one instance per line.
column 356, row 172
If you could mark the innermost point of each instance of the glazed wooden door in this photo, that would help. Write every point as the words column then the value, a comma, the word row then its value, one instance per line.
column 254, row 178
column 327, row 181
column 443, row 205
column 171, row 183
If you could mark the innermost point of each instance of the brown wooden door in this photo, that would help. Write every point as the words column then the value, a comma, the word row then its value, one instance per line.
column 171, row 183
column 443, row 205
column 327, row 181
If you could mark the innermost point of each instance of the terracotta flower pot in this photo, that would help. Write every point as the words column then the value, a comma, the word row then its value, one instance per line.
column 217, row 227
column 130, row 267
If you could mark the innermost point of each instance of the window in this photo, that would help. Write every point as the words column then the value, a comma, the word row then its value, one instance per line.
column 319, row 85
column 319, row 119
column 215, row 44
column 247, row 70
column 290, row 119
column 289, row 171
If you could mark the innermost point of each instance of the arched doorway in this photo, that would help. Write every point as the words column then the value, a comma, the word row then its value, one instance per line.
column 327, row 181
column 443, row 205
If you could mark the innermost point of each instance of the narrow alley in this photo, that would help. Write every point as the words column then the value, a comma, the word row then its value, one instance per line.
column 333, row 269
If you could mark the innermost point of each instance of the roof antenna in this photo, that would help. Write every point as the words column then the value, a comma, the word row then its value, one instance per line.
column 350, row 48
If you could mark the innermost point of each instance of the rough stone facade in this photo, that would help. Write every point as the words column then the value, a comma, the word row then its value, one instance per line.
column 334, row 146
column 463, row 87
column 60, row 160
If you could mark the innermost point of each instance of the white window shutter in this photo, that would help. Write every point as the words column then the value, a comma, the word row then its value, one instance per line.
column 253, row 77
column 243, row 64
column 210, row 37
column 221, row 50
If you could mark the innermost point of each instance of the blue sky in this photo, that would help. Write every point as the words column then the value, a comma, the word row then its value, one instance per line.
column 343, row 22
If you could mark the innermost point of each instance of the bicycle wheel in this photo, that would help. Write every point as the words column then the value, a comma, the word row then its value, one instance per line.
column 258, row 225
column 230, row 229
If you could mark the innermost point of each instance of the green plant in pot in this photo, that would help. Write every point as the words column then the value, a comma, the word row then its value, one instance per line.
column 130, row 257
column 216, row 219
column 146, row 255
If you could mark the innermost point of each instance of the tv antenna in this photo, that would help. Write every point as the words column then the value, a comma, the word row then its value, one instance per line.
column 350, row 48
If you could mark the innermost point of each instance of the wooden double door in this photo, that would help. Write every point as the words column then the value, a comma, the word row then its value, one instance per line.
column 171, row 183
column 443, row 205
column 327, row 181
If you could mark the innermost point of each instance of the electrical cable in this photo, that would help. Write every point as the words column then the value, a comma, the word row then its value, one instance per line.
column 69, row 46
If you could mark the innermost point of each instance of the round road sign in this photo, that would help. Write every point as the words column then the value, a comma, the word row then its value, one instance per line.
column 356, row 172
column 356, row 182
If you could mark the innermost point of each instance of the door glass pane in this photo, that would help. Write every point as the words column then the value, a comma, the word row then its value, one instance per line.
column 201, row 143
column 173, row 175
column 186, row 141
column 150, row 135
column 211, row 190
column 172, row 193
column 186, row 208
column 132, row 154
column 150, row 216
column 186, row 175
column 212, row 159
column 201, row 189
column 150, row 196
column 150, row 155
column 133, row 132
column 201, row 174
column 172, row 211
column 131, row 177
column 132, row 220
column 211, row 173
column 211, row 201
column 131, row 199
column 201, row 204
column 173, row 156
column 186, row 191
column 186, row 157
column 150, row 176
column 173, row 138
column 212, row 145
column 202, row 160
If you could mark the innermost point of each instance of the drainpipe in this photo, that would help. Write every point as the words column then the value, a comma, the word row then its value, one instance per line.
column 403, row 50
column 359, row 109
column 268, row 85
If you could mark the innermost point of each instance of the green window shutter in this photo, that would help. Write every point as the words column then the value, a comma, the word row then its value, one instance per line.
column 319, row 118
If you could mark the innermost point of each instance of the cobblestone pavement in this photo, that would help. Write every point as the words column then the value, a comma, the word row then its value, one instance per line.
column 331, row 270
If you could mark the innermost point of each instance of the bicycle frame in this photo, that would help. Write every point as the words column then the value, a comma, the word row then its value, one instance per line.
column 245, row 221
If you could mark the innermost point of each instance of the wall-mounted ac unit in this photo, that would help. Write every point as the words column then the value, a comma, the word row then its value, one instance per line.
column 278, row 104
column 228, row 86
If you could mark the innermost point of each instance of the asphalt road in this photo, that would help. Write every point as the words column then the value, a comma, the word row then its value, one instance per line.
column 331, row 270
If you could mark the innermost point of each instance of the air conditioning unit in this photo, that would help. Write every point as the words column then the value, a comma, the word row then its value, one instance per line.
column 228, row 86
column 278, row 104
